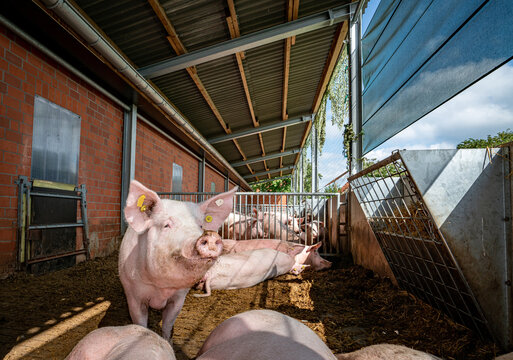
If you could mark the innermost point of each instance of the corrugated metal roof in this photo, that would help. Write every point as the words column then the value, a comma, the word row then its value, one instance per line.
column 134, row 28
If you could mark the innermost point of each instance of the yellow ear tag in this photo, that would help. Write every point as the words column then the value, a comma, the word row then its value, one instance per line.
column 208, row 218
column 140, row 203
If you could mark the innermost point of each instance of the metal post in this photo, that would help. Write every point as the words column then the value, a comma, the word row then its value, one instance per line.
column 128, row 160
column 227, row 182
column 201, row 176
column 355, row 85
column 315, row 186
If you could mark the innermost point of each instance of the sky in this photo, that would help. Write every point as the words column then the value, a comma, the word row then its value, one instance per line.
column 483, row 109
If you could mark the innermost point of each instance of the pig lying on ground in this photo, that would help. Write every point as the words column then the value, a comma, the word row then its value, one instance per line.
column 242, row 227
column 168, row 247
column 308, row 255
column 267, row 334
column 130, row 342
column 274, row 226
column 245, row 269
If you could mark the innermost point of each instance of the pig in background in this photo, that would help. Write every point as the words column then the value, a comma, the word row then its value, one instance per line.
column 267, row 334
column 130, row 342
column 277, row 225
column 242, row 227
column 246, row 269
column 168, row 247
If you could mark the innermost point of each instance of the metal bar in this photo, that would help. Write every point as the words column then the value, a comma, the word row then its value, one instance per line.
column 260, row 129
column 60, row 196
column 266, row 157
column 358, row 10
column 268, row 180
column 128, row 158
column 55, row 226
column 269, row 172
column 83, row 208
column 71, row 253
column 246, row 42
column 355, row 98
column 201, row 174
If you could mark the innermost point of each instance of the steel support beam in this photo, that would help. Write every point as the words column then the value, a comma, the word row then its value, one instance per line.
column 267, row 180
column 269, row 172
column 260, row 129
column 315, row 157
column 355, row 98
column 246, row 42
column 227, row 182
column 201, row 175
column 128, row 157
column 267, row 157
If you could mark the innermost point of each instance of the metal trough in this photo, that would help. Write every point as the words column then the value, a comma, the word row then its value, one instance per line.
column 443, row 221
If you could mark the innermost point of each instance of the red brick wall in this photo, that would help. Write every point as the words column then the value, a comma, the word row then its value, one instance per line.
column 212, row 176
column 155, row 156
column 26, row 72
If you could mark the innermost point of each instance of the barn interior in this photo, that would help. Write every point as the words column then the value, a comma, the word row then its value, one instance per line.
column 195, row 97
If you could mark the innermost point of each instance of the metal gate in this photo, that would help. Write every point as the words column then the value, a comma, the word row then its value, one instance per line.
column 316, row 214
column 47, row 224
column 442, row 219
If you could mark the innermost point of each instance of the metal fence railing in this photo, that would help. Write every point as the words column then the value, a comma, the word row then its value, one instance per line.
column 304, row 218
column 413, row 245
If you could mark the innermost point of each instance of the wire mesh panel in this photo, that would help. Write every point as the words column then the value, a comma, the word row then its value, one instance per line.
column 304, row 218
column 412, row 243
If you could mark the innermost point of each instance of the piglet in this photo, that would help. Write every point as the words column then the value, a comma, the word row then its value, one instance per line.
column 269, row 335
column 245, row 269
column 130, row 342
column 168, row 247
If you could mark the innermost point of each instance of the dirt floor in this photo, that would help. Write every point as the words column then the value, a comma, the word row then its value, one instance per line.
column 43, row 317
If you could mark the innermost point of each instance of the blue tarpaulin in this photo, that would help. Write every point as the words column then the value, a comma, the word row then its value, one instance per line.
column 416, row 55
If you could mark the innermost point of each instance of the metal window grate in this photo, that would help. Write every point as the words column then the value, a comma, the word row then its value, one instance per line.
column 412, row 243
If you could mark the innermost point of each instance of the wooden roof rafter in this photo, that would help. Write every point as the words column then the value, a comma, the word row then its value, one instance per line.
column 180, row 49
column 233, row 27
column 292, row 12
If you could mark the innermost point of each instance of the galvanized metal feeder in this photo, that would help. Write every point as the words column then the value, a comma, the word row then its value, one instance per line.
column 443, row 221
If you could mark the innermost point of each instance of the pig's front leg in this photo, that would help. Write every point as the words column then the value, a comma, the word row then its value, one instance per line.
column 170, row 313
column 138, row 310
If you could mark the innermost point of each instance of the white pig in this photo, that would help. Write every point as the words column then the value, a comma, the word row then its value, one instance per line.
column 245, row 269
column 130, row 342
column 269, row 335
column 276, row 226
column 168, row 247
column 242, row 227
column 310, row 256
column 303, row 254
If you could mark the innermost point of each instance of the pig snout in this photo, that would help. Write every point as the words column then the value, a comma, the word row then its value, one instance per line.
column 209, row 245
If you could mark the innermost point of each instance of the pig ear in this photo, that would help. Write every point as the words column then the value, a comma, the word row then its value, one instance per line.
column 140, row 204
column 296, row 249
column 216, row 209
column 314, row 246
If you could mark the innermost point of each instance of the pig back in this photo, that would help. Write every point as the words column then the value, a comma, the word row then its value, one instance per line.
column 263, row 335
column 128, row 342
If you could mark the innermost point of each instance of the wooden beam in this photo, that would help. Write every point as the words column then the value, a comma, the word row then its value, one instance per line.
column 180, row 49
column 233, row 28
column 292, row 11
column 336, row 47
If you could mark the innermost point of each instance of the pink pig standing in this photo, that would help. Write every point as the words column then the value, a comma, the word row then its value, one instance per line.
column 168, row 247
column 130, row 342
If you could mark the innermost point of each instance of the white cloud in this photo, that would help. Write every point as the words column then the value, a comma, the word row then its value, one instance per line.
column 483, row 109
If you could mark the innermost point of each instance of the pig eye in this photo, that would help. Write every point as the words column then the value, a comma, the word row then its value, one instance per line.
column 168, row 224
